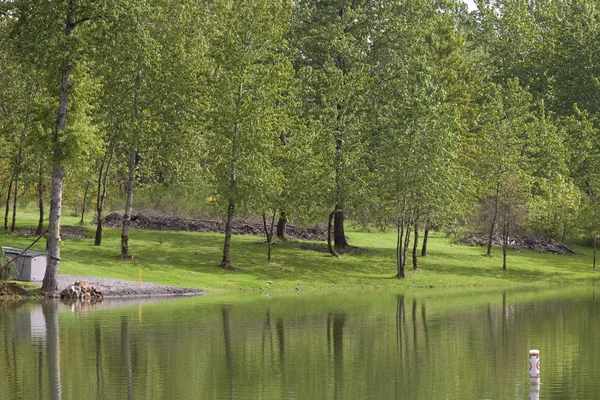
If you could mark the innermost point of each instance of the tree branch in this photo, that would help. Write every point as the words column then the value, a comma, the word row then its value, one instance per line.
column 80, row 21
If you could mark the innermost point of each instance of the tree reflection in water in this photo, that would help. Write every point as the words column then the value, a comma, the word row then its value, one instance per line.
column 50, row 310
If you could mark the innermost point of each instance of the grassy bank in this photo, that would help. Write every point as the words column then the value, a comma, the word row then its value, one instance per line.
column 191, row 260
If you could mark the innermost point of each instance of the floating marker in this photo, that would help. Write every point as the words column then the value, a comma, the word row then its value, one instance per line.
column 534, row 367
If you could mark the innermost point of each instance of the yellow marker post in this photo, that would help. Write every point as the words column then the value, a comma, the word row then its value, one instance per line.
column 140, row 279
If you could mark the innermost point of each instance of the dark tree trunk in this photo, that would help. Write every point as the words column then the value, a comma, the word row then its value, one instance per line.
column 282, row 226
column 101, row 194
column 269, row 232
column 128, row 205
column 415, row 248
column 50, row 284
column 14, row 209
column 425, row 239
column 40, row 188
column 330, row 234
column 125, row 253
column 406, row 242
column 505, row 239
column 564, row 233
column 15, row 193
column 8, row 197
column 13, row 223
column 16, row 182
column 400, row 260
column 595, row 246
column 339, row 237
column 226, row 261
column 493, row 225
column 85, row 193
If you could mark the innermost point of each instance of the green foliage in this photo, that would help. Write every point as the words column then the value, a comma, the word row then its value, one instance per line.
column 356, row 105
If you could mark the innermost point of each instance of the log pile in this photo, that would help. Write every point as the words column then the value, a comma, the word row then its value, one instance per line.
column 163, row 222
column 517, row 242
column 81, row 290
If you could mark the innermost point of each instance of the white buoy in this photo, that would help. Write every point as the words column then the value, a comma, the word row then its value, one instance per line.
column 534, row 367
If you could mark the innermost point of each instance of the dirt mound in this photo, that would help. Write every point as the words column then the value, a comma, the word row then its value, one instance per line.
column 517, row 242
column 66, row 232
column 162, row 222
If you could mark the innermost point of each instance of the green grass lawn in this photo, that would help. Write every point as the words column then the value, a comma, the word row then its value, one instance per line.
column 192, row 260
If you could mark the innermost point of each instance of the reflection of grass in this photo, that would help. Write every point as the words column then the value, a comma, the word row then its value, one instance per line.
column 192, row 259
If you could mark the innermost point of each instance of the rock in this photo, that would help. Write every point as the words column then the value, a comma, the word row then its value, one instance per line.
column 81, row 290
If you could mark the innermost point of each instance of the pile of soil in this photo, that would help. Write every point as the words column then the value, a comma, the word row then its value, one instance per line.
column 162, row 222
column 66, row 232
column 517, row 242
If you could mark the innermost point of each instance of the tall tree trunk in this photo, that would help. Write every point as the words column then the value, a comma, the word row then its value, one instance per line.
column 85, row 193
column 50, row 284
column 101, row 194
column 125, row 253
column 8, row 197
column 595, row 246
column 330, row 234
column 564, row 233
column 339, row 237
column 13, row 223
column 16, row 180
column 269, row 232
column 128, row 205
column 282, row 226
column 425, row 239
column 406, row 241
column 19, row 160
column 40, row 188
column 226, row 261
column 493, row 225
column 505, row 239
column 415, row 248
column 400, row 260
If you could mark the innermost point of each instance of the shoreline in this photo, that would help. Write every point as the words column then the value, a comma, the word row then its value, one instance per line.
column 119, row 288
column 111, row 289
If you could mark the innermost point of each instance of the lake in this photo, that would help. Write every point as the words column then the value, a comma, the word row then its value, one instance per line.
column 418, row 345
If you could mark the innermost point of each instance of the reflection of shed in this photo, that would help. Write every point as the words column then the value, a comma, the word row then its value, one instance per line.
column 31, row 326
column 31, row 265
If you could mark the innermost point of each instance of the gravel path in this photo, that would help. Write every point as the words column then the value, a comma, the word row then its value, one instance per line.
column 120, row 288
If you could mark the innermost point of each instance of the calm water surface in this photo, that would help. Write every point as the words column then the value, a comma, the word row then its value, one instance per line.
column 423, row 345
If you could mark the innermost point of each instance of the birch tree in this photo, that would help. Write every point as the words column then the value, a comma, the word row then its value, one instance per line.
column 51, row 37
column 249, row 73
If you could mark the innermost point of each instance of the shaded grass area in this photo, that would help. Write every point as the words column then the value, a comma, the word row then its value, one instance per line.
column 191, row 260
